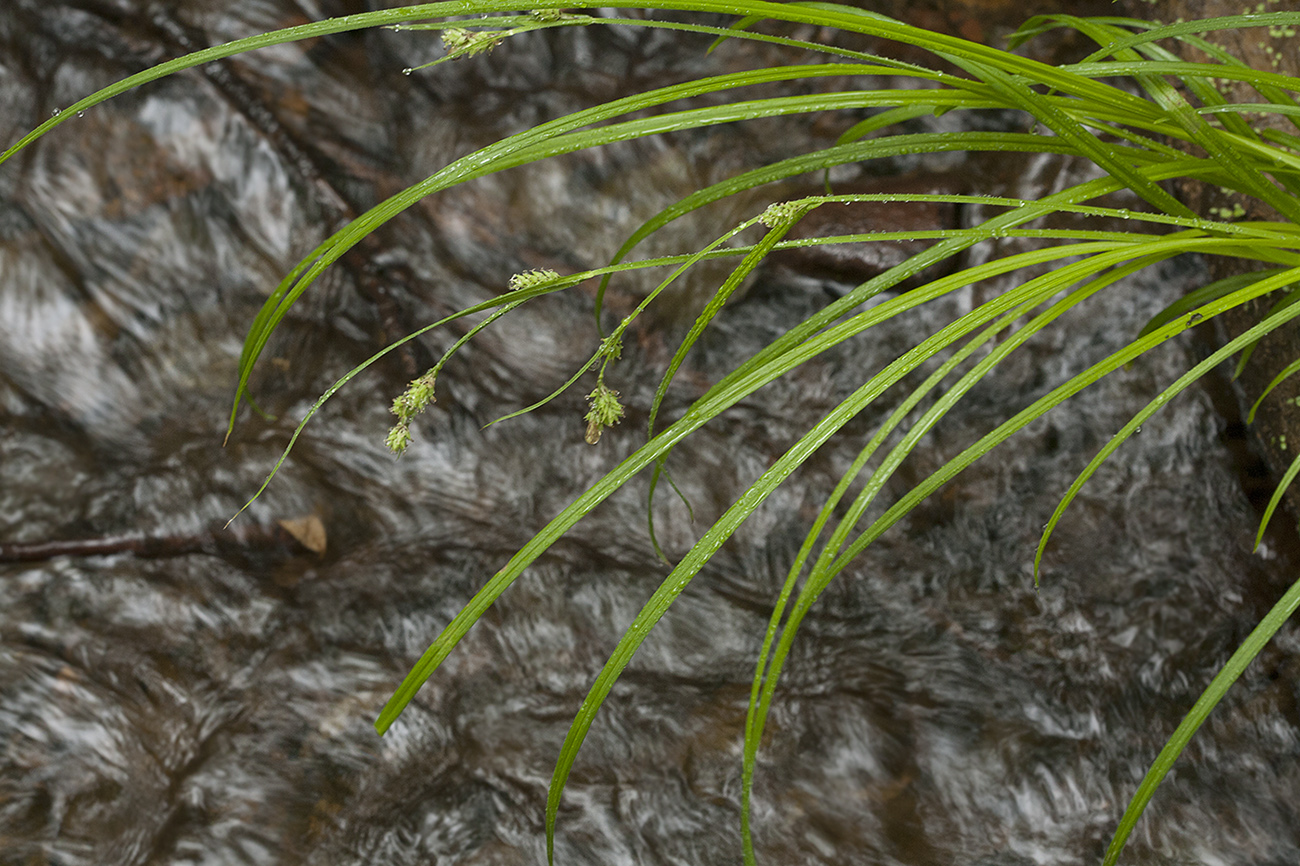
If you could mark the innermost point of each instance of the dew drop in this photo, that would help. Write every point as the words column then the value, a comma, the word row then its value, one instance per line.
column 1137, row 429
column 56, row 112
column 81, row 114
column 407, row 71
column 1194, row 318
column 1124, row 214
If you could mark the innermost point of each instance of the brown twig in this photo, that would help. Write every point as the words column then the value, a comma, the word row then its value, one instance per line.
column 274, row 538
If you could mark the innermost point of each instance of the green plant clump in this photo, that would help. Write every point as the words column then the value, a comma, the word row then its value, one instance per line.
column 1133, row 108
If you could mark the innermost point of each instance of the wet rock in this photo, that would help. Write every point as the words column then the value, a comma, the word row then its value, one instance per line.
column 937, row 708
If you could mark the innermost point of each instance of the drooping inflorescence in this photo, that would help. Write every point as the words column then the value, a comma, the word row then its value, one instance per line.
column 603, row 411
column 411, row 402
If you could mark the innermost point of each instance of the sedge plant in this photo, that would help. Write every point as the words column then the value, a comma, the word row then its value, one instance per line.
column 1133, row 108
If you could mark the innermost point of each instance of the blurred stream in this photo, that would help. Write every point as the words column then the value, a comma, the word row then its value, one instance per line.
column 215, row 706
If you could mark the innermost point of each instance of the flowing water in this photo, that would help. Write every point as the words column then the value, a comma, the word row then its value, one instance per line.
column 212, row 702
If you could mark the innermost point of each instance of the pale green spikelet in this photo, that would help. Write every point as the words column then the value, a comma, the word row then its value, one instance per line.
column 398, row 438
column 402, row 406
column 422, row 391
column 785, row 213
column 415, row 399
column 611, row 348
column 460, row 42
column 529, row 279
column 604, row 411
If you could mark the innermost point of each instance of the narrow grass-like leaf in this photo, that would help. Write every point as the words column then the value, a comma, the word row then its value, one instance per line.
column 1196, row 29
column 1285, row 373
column 1085, row 144
column 821, row 574
column 1246, row 353
column 1248, row 178
column 704, row 549
column 885, row 119
column 1253, row 290
column 781, row 469
column 760, row 699
column 1198, row 297
column 1276, row 499
column 1056, row 396
column 712, row 308
column 1213, row 693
